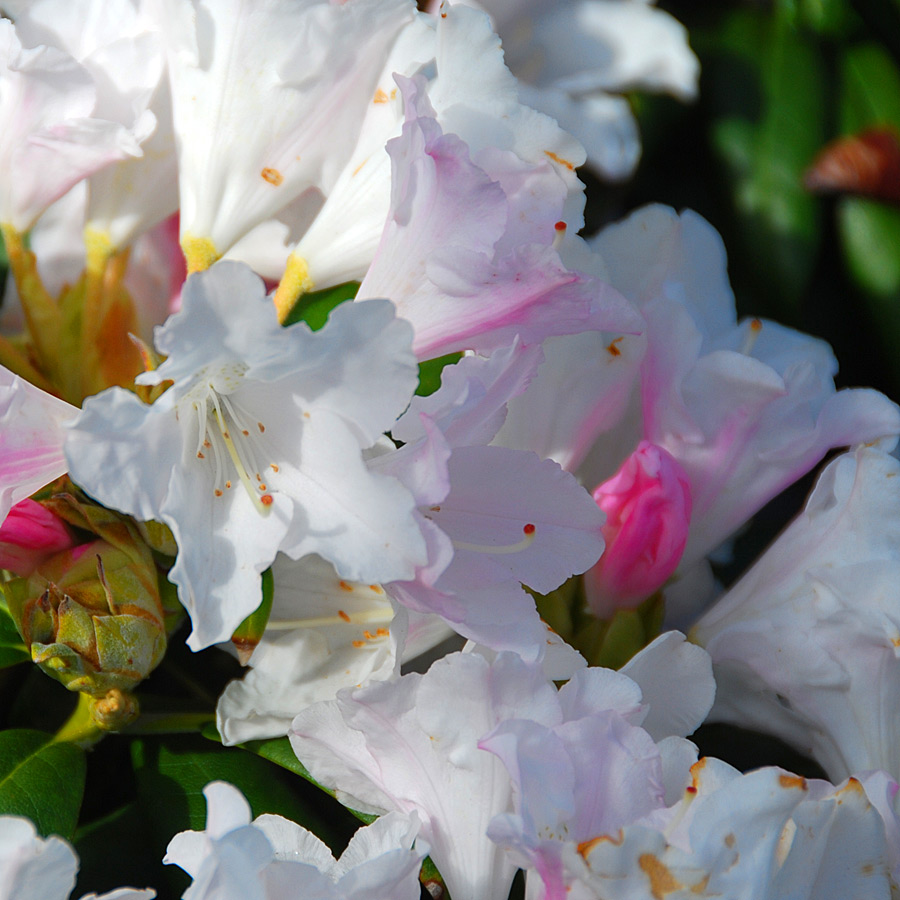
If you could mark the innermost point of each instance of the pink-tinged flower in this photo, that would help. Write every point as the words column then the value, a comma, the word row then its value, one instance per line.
column 806, row 645
column 767, row 835
column 597, row 770
column 744, row 408
column 648, row 512
column 32, row 433
column 475, row 97
column 495, row 518
column 417, row 744
column 467, row 254
column 53, row 131
column 29, row 534
column 271, row 858
column 412, row 746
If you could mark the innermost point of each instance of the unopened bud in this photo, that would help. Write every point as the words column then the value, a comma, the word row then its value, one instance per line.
column 30, row 534
column 648, row 512
column 91, row 615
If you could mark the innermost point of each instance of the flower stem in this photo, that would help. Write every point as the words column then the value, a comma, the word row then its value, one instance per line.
column 80, row 728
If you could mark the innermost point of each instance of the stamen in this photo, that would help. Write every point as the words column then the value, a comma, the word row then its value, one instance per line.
column 752, row 336
column 560, row 233
column 529, row 531
column 364, row 617
column 259, row 502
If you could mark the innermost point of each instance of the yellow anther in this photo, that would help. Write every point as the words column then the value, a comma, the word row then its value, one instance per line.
column 294, row 283
column 199, row 252
column 98, row 248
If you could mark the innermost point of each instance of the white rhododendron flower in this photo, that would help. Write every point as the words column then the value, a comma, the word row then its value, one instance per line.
column 807, row 644
column 257, row 445
column 767, row 835
column 122, row 49
column 36, row 868
column 324, row 634
column 420, row 744
column 271, row 858
column 53, row 133
column 267, row 98
column 575, row 57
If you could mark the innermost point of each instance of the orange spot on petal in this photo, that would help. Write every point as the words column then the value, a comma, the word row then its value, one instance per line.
column 273, row 176
column 558, row 159
column 662, row 881
column 345, row 587
column 585, row 847
column 343, row 615
column 792, row 781
column 380, row 96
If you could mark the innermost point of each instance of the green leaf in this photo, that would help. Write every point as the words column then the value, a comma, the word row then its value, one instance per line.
column 768, row 126
column 870, row 88
column 870, row 233
column 118, row 849
column 249, row 633
column 827, row 17
column 315, row 308
column 41, row 780
column 12, row 648
column 430, row 373
column 280, row 752
column 172, row 771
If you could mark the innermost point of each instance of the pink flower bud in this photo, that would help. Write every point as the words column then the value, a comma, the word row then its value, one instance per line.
column 29, row 535
column 648, row 511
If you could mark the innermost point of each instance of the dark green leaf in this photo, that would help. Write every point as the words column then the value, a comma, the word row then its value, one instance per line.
column 117, row 850
column 870, row 89
column 280, row 752
column 430, row 373
column 766, row 135
column 871, row 237
column 315, row 308
column 41, row 780
column 172, row 771
column 827, row 17
column 249, row 633
column 12, row 648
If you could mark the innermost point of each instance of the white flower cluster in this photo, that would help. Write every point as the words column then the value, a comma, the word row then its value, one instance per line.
column 315, row 143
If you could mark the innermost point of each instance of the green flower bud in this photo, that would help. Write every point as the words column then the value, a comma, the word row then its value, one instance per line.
column 92, row 615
